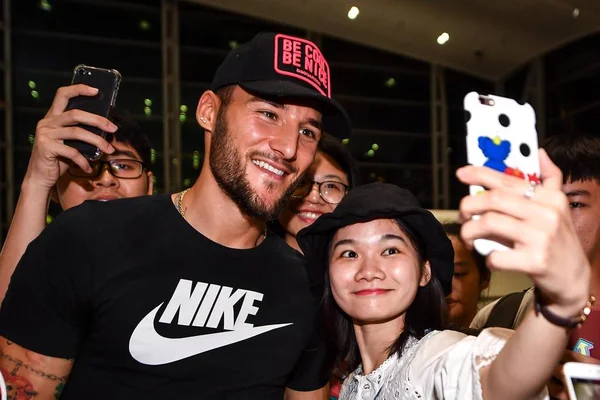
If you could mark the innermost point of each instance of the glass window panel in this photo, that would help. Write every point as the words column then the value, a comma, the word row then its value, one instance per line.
column 117, row 20
column 24, row 124
column 371, row 82
column 417, row 180
column 152, row 128
column 192, row 137
column 204, row 26
column 199, row 67
column 459, row 84
column 391, row 117
column 139, row 97
column 336, row 50
column 63, row 55
column 34, row 88
column 391, row 148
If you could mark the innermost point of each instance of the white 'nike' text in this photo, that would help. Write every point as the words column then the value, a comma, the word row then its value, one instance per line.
column 148, row 347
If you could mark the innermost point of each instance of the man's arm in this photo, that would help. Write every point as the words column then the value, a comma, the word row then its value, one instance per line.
column 28, row 222
column 31, row 375
column 46, row 165
column 319, row 394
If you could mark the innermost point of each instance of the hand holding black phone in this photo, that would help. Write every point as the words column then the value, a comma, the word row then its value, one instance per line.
column 107, row 81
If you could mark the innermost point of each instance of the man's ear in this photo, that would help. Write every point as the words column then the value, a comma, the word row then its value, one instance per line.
column 207, row 110
column 150, row 182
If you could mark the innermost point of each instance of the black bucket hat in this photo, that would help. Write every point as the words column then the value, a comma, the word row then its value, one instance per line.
column 379, row 201
column 278, row 65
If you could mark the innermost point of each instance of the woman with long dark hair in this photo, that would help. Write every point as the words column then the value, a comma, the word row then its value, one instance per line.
column 387, row 266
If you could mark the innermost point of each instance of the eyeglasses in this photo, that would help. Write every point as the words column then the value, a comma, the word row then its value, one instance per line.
column 120, row 168
column 331, row 192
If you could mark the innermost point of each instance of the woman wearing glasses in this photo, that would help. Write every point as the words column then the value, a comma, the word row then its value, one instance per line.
column 331, row 175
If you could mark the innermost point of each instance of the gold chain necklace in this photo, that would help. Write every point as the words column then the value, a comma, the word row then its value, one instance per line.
column 180, row 197
column 182, row 211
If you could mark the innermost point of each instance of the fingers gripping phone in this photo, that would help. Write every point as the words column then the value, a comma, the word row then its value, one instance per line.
column 107, row 82
column 501, row 135
column 582, row 380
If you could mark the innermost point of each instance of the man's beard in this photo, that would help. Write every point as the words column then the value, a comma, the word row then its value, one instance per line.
column 229, row 171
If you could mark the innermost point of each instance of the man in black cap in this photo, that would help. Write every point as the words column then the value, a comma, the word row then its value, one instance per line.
column 196, row 299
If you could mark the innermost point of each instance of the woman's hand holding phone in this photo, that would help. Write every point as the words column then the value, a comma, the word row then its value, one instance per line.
column 50, row 156
column 539, row 229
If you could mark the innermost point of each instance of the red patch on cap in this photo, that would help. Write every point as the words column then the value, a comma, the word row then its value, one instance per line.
column 302, row 59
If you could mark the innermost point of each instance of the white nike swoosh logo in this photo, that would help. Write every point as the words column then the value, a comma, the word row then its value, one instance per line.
column 150, row 348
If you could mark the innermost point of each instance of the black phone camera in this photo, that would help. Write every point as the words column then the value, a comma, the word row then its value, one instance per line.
column 81, row 71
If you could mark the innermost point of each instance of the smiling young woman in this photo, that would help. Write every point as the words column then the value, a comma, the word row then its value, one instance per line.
column 386, row 265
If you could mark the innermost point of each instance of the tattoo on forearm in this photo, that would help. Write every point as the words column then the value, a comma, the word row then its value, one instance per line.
column 20, row 364
column 58, row 390
column 19, row 387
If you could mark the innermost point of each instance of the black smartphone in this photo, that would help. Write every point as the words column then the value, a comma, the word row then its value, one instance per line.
column 107, row 82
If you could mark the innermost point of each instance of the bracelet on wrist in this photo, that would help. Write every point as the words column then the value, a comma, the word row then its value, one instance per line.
column 569, row 323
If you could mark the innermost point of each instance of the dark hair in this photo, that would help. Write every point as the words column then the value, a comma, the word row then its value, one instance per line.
column 130, row 133
column 576, row 155
column 334, row 148
column 428, row 311
column 225, row 94
column 453, row 229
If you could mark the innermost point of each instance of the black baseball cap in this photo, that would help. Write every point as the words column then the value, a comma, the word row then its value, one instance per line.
column 278, row 65
column 379, row 201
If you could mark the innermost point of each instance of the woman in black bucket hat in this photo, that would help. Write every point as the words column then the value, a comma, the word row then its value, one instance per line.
column 386, row 266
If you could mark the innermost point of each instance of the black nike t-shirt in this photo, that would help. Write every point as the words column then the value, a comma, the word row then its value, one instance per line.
column 150, row 308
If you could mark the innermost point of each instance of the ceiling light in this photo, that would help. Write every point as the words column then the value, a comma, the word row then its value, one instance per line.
column 45, row 5
column 353, row 13
column 443, row 38
column 576, row 13
column 375, row 147
column 390, row 82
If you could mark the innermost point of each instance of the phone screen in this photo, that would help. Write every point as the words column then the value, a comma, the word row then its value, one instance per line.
column 586, row 389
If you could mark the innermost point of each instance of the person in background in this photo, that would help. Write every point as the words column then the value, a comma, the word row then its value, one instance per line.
column 333, row 173
column 59, row 172
column 578, row 157
column 471, row 277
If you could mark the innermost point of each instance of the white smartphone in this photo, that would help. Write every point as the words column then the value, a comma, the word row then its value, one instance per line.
column 501, row 135
column 582, row 380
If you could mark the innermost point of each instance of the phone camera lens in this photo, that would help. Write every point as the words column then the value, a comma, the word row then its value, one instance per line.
column 81, row 71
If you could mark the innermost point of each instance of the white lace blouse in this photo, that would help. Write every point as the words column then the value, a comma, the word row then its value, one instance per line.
column 442, row 365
